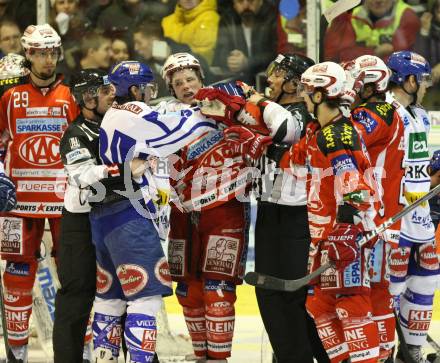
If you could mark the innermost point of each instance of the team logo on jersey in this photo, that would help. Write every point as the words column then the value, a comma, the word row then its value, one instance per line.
column 104, row 280
column 74, row 143
column 221, row 255
column 162, row 272
column 133, row 278
column 418, row 146
column 12, row 235
column 40, row 150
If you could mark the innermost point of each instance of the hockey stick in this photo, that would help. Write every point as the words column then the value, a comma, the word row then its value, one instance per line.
column 403, row 346
column 273, row 283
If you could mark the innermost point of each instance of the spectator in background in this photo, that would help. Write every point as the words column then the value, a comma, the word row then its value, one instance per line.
column 378, row 27
column 292, row 32
column 129, row 13
column 9, row 38
column 144, row 37
column 94, row 10
column 120, row 51
column 428, row 45
column 24, row 12
column 96, row 51
column 69, row 21
column 246, row 41
column 194, row 23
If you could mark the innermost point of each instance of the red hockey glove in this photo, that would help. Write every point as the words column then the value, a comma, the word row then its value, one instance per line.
column 219, row 105
column 247, row 143
column 342, row 244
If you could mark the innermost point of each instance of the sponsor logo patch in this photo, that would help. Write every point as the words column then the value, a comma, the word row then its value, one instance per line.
column 221, row 255
column 204, row 144
column 342, row 164
column 104, row 280
column 40, row 125
column 12, row 235
column 162, row 272
column 176, row 257
column 133, row 278
column 419, row 320
column 418, row 146
column 76, row 155
column 17, row 268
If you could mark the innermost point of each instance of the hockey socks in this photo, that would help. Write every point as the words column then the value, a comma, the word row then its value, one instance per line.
column 106, row 336
column 196, row 324
column 140, row 336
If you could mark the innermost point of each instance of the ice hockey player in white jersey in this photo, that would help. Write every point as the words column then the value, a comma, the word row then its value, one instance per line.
column 414, row 266
column 133, row 273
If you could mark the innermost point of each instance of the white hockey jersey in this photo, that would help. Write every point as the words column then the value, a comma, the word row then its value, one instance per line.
column 417, row 226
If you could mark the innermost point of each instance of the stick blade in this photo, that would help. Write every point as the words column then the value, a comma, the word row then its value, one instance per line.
column 264, row 281
column 339, row 7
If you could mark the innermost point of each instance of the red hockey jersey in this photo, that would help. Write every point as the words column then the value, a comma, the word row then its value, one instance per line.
column 382, row 130
column 32, row 121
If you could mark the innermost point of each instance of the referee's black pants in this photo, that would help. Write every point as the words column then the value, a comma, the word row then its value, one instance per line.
column 282, row 241
column 77, row 275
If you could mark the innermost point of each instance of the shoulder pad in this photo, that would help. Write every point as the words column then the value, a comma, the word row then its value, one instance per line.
column 340, row 135
column 384, row 110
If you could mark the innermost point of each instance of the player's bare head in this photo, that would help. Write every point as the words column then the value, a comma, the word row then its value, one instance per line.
column 284, row 75
column 42, row 46
column 379, row 8
column 183, row 75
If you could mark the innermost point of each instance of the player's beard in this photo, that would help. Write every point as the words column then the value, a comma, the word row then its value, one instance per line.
column 46, row 74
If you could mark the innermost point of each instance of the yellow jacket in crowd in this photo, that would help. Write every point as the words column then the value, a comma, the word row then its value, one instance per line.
column 196, row 27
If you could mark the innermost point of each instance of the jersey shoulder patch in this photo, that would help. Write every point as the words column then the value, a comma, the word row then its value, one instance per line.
column 370, row 114
column 339, row 135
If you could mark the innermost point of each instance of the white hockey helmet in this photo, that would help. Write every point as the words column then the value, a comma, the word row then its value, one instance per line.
column 328, row 76
column 354, row 82
column 12, row 65
column 375, row 71
column 178, row 61
column 40, row 37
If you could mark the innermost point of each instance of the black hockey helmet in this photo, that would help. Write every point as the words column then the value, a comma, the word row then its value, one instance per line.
column 293, row 64
column 88, row 80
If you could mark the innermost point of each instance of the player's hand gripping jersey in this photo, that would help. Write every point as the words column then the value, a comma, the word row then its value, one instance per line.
column 32, row 121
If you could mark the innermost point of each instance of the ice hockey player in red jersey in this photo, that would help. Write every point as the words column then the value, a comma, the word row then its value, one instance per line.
column 33, row 117
column 381, row 128
column 342, row 201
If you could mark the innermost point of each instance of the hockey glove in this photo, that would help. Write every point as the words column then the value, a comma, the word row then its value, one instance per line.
column 219, row 105
column 342, row 245
column 434, row 164
column 8, row 197
column 245, row 142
